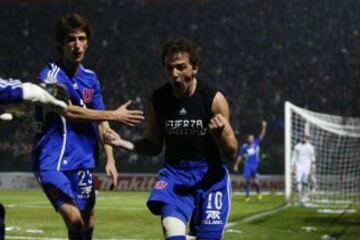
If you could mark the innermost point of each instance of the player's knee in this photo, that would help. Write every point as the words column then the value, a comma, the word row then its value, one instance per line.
column 74, row 223
column 75, row 226
column 88, row 218
column 173, row 227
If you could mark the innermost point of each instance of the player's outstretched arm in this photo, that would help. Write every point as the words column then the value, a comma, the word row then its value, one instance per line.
column 35, row 93
column 220, row 127
column 113, row 138
column 121, row 114
column 127, row 116
column 152, row 142
column 263, row 129
column 15, row 91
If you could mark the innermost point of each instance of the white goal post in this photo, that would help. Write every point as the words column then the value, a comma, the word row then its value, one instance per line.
column 336, row 140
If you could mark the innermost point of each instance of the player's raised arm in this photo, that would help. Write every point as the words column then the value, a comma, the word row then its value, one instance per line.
column 220, row 126
column 263, row 129
column 150, row 144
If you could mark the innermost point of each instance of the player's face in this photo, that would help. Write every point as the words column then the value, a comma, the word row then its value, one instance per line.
column 250, row 138
column 305, row 139
column 75, row 46
column 181, row 73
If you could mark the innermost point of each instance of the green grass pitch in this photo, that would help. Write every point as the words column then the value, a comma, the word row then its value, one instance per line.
column 124, row 216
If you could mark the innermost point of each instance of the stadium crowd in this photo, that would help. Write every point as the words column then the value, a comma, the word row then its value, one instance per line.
column 260, row 54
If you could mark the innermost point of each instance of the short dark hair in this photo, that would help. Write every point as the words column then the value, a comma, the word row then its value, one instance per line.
column 178, row 45
column 70, row 23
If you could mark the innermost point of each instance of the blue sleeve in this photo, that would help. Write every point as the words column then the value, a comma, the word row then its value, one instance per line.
column 10, row 91
column 242, row 150
column 39, row 113
column 43, row 75
column 258, row 141
column 97, row 100
column 49, row 74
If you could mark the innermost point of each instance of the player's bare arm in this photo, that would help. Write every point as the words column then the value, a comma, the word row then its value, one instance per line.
column 237, row 163
column 313, row 164
column 220, row 126
column 152, row 142
column 263, row 129
column 110, row 166
column 121, row 114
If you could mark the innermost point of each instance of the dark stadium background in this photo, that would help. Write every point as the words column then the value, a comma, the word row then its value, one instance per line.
column 259, row 53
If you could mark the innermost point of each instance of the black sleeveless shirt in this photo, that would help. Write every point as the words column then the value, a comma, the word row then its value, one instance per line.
column 184, row 123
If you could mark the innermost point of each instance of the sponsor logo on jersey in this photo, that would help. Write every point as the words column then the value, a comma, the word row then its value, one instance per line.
column 182, row 112
column 252, row 151
column 160, row 184
column 75, row 86
column 87, row 94
column 213, row 217
column 85, row 192
column 192, row 127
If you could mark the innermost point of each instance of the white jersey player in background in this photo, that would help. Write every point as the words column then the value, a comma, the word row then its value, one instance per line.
column 303, row 162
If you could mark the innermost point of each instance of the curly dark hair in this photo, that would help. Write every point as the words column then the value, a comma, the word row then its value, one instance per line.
column 178, row 45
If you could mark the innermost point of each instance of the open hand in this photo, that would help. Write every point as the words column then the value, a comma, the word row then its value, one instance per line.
column 263, row 123
column 111, row 171
column 127, row 116
column 236, row 168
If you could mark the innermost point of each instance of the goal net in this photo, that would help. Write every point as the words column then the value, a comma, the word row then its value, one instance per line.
column 336, row 141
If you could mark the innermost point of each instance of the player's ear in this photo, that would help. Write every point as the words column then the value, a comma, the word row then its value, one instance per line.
column 195, row 69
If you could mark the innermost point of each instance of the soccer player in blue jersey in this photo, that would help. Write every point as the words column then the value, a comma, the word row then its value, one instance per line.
column 191, row 118
column 66, row 148
column 14, row 91
column 250, row 153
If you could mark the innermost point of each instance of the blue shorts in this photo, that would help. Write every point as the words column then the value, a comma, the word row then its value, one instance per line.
column 251, row 171
column 68, row 186
column 193, row 191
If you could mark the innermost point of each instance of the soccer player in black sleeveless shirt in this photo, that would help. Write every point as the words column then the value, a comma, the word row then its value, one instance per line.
column 192, row 118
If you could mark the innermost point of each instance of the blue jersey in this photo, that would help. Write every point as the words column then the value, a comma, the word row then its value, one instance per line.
column 250, row 152
column 10, row 91
column 68, row 145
